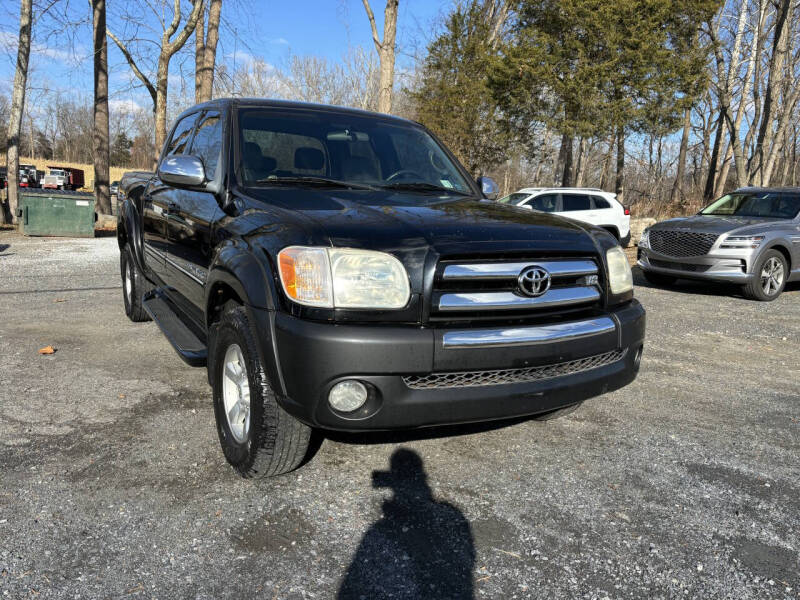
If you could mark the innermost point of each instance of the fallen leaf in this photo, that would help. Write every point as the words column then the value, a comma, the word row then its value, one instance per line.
column 47, row 350
column 121, row 396
column 60, row 300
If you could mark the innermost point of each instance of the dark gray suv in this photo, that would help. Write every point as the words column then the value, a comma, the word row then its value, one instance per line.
column 749, row 237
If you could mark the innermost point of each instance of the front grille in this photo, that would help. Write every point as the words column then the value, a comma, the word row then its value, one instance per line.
column 501, row 376
column 690, row 268
column 681, row 243
column 480, row 289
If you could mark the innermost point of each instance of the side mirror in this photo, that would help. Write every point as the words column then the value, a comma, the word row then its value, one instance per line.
column 488, row 187
column 182, row 171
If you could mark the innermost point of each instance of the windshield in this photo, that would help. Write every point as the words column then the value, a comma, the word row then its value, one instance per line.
column 771, row 205
column 57, row 173
column 515, row 198
column 294, row 147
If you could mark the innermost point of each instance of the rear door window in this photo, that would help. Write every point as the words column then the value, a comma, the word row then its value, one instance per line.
column 575, row 202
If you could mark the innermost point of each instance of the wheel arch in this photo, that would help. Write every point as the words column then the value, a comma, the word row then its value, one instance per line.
column 783, row 249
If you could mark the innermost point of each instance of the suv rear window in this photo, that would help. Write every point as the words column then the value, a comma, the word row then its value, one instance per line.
column 600, row 202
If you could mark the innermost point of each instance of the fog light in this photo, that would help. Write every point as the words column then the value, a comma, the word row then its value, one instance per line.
column 347, row 396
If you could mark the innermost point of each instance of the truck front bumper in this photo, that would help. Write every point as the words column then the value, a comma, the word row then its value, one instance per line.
column 421, row 377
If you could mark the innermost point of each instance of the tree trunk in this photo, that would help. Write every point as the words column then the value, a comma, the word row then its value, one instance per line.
column 386, row 51
column 713, row 163
column 583, row 159
column 759, row 174
column 162, row 80
column 17, row 106
column 619, row 184
column 101, row 142
column 561, row 162
column 206, row 52
column 677, row 195
column 569, row 170
column 605, row 178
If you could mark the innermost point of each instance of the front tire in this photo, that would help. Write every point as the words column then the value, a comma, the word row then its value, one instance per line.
column 658, row 279
column 258, row 438
column 133, row 287
column 770, row 277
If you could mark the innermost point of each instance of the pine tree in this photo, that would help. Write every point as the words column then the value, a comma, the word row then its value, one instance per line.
column 453, row 98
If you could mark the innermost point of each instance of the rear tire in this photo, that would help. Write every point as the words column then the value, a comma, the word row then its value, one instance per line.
column 259, row 438
column 133, row 287
column 658, row 279
column 771, row 273
column 558, row 413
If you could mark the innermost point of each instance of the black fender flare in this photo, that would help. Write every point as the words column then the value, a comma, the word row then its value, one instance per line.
column 252, row 280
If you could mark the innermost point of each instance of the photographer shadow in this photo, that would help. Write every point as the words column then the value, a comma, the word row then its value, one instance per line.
column 420, row 548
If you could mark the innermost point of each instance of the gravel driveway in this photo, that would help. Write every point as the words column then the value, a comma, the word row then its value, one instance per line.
column 112, row 483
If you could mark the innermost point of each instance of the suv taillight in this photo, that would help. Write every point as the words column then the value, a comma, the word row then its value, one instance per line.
column 627, row 210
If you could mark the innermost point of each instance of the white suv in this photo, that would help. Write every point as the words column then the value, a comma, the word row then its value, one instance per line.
column 590, row 205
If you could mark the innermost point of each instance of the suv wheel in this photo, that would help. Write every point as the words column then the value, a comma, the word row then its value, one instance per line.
column 258, row 437
column 658, row 279
column 133, row 287
column 770, row 277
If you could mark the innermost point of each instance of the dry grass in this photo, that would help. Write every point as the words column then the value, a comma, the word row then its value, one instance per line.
column 115, row 173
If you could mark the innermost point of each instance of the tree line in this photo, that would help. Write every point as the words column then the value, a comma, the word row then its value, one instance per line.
column 669, row 103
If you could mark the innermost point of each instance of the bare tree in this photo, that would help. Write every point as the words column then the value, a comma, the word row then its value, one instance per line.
column 101, row 142
column 386, row 51
column 18, row 105
column 205, row 55
column 172, row 40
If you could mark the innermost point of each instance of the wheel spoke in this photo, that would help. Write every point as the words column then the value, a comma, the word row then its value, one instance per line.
column 232, row 373
column 233, row 414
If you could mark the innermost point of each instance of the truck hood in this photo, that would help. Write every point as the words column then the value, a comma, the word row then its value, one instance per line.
column 717, row 225
column 398, row 221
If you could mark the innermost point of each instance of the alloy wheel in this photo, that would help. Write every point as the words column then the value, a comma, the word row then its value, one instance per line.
column 772, row 276
column 236, row 393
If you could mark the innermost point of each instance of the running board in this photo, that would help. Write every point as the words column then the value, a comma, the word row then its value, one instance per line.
column 186, row 343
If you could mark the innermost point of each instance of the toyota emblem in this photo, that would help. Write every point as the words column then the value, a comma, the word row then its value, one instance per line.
column 534, row 281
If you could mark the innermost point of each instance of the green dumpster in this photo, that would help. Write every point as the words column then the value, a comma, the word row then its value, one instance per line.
column 56, row 213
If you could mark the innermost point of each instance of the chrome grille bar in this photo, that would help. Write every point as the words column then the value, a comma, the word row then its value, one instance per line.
column 484, row 271
column 520, row 336
column 470, row 301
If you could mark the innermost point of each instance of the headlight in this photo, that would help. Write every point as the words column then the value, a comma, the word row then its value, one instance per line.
column 343, row 278
column 644, row 241
column 742, row 241
column 620, row 278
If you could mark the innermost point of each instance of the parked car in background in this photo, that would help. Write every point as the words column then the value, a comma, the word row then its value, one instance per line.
column 588, row 205
column 63, row 178
column 114, row 188
column 749, row 237
column 339, row 269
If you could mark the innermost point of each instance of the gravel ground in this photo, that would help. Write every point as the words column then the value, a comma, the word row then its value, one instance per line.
column 112, row 483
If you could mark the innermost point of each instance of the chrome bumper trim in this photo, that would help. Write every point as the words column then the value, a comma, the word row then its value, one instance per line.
column 483, row 271
column 520, row 336
column 509, row 301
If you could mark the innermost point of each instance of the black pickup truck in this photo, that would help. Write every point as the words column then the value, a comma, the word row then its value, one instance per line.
column 339, row 269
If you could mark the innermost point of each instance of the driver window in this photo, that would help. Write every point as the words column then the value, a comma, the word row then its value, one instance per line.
column 544, row 203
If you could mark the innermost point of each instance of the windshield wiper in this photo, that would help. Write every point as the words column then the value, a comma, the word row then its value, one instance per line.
column 423, row 186
column 318, row 181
